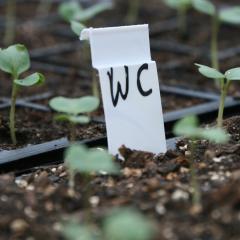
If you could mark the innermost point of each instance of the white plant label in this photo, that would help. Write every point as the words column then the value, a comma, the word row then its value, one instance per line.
column 130, row 88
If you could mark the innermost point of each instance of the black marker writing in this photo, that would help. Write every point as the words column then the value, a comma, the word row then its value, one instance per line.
column 119, row 88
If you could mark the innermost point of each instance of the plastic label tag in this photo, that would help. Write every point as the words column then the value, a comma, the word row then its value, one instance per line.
column 130, row 87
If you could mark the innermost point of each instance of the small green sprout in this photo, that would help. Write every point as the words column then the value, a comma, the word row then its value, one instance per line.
column 228, row 15
column 77, row 16
column 121, row 224
column 133, row 11
column 10, row 25
column 15, row 61
column 80, row 159
column 189, row 127
column 127, row 224
column 225, row 81
column 72, row 110
column 182, row 7
column 73, row 11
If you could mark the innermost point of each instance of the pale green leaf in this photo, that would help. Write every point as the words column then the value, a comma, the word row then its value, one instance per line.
column 127, row 224
column 77, row 27
column 92, row 11
column 79, row 119
column 75, row 231
column 210, row 72
column 216, row 135
column 74, row 106
column 233, row 74
column 14, row 60
column 186, row 127
column 230, row 15
column 69, row 10
column 204, row 6
column 78, row 158
column 33, row 79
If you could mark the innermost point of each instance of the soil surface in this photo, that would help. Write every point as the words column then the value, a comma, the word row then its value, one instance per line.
column 35, row 205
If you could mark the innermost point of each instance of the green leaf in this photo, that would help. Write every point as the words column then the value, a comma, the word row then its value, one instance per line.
column 69, row 10
column 74, row 106
column 87, row 14
column 75, row 231
column 204, row 6
column 230, row 15
column 77, row 27
column 216, row 135
column 34, row 79
column 209, row 72
column 176, row 4
column 233, row 74
column 14, row 60
column 78, row 158
column 186, row 127
column 80, row 119
column 127, row 224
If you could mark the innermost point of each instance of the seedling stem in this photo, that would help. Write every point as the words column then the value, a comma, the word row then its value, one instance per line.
column 196, row 198
column 12, row 113
column 133, row 11
column 182, row 21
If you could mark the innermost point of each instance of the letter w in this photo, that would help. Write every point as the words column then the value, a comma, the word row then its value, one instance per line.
column 119, row 88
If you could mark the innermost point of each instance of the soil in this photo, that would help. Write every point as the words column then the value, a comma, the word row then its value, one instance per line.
column 35, row 205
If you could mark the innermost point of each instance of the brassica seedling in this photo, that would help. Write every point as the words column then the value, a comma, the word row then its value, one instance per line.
column 228, row 15
column 73, row 11
column 80, row 159
column 189, row 127
column 133, row 11
column 120, row 224
column 15, row 61
column 77, row 16
column 10, row 22
column 127, row 224
column 182, row 6
column 225, row 81
column 72, row 110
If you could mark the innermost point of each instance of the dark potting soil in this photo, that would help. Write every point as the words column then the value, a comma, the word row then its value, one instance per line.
column 36, row 205
column 35, row 127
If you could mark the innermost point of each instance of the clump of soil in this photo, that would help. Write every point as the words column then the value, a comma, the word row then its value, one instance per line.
column 35, row 205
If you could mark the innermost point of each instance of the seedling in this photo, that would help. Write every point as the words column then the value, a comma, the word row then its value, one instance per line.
column 182, row 7
column 15, row 61
column 10, row 19
column 77, row 16
column 80, row 159
column 121, row 224
column 189, row 127
column 225, row 81
column 229, row 15
column 72, row 110
column 133, row 11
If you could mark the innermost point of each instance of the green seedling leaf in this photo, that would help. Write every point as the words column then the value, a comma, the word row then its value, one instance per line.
column 186, row 127
column 87, row 14
column 73, row 119
column 74, row 106
column 176, row 4
column 14, row 60
column 127, row 224
column 210, row 72
column 69, row 10
column 34, row 79
column 230, row 15
column 78, row 158
column 204, row 6
column 77, row 27
column 233, row 74
column 75, row 231
column 216, row 135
